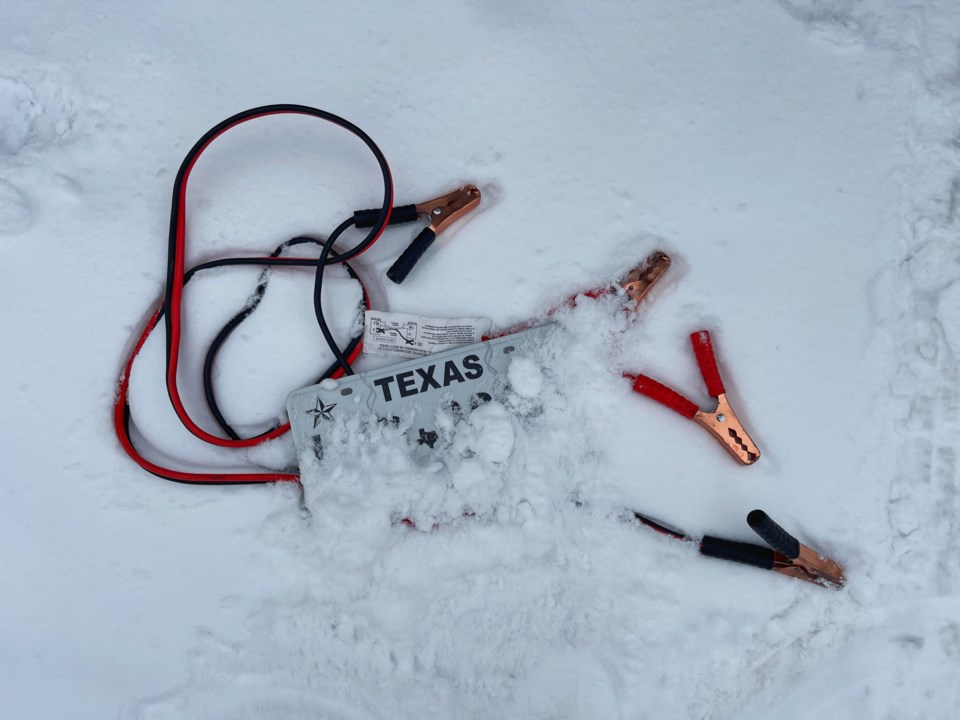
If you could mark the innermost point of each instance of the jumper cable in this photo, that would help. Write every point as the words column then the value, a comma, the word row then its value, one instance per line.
column 636, row 284
column 170, row 307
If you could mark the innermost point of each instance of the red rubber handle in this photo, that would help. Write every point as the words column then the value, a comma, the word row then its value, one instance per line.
column 703, row 349
column 665, row 396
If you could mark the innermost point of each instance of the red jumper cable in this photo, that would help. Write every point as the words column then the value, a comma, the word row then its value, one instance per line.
column 443, row 211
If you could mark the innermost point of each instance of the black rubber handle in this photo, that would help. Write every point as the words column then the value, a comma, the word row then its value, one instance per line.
column 415, row 250
column 400, row 214
column 745, row 553
column 772, row 534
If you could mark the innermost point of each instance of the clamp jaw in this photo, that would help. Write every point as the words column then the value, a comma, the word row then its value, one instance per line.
column 447, row 209
column 792, row 557
column 811, row 566
column 726, row 428
column 639, row 281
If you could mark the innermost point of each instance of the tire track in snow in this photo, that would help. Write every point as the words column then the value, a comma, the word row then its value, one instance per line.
column 923, row 498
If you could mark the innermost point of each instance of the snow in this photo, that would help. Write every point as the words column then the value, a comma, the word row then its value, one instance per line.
column 526, row 377
column 799, row 162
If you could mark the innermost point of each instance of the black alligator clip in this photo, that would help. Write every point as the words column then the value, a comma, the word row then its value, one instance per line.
column 788, row 556
column 442, row 212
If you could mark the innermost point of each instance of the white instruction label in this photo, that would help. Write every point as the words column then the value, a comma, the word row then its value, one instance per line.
column 416, row 336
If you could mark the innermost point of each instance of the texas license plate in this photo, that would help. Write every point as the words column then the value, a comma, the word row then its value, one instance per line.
column 412, row 390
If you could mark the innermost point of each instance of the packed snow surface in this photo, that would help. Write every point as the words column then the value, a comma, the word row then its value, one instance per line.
column 799, row 160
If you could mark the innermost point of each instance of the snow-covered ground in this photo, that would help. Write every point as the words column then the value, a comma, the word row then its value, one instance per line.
column 799, row 160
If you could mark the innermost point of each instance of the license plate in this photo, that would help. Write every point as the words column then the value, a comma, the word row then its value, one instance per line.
column 414, row 390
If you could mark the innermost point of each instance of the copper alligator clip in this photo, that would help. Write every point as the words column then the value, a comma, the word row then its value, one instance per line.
column 788, row 556
column 636, row 284
column 449, row 208
column 722, row 422
column 441, row 211
column 639, row 281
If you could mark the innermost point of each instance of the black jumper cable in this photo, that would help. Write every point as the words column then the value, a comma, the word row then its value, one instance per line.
column 442, row 211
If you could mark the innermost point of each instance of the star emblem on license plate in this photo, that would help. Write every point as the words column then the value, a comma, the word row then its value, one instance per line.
column 321, row 412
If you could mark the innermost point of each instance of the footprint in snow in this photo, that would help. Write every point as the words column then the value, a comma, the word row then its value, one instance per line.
column 15, row 212
column 39, row 104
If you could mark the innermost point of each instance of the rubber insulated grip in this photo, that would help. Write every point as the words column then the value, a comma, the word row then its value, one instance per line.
column 399, row 215
column 744, row 553
column 707, row 360
column 774, row 535
column 665, row 396
column 415, row 250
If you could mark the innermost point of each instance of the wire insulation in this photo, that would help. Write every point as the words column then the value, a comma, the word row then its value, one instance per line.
column 170, row 308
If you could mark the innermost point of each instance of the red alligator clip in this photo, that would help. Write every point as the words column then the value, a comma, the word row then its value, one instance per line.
column 722, row 422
